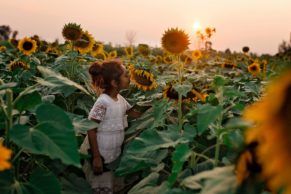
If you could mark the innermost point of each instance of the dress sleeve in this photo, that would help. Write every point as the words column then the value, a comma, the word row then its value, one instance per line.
column 98, row 111
column 127, row 105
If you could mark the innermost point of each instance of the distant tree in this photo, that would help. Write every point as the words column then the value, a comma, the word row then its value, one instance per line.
column 5, row 32
column 130, row 37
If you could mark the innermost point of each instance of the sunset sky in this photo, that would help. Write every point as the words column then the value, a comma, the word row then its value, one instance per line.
column 259, row 24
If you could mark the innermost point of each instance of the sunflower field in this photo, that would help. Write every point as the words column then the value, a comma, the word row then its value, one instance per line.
column 213, row 122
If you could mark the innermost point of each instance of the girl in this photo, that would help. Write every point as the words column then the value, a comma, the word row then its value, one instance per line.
column 109, row 111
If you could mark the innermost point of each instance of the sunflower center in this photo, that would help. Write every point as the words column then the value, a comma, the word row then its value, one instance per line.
column 141, row 79
column 82, row 43
column 27, row 45
column 72, row 34
column 254, row 68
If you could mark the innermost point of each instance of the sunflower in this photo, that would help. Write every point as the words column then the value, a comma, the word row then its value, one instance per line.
column 159, row 59
column 153, row 60
column 209, row 31
column 196, row 55
column 273, row 133
column 254, row 68
column 167, row 59
column 129, row 52
column 101, row 55
column 112, row 54
column 27, row 46
column 52, row 50
column 72, row 31
column 143, row 49
column 5, row 155
column 85, row 43
column 142, row 79
column 14, row 42
column 2, row 48
column 17, row 64
column 171, row 94
column 43, row 46
column 97, row 49
column 186, row 59
column 175, row 41
column 37, row 39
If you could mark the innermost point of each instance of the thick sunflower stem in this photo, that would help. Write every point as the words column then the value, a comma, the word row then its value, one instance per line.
column 180, row 115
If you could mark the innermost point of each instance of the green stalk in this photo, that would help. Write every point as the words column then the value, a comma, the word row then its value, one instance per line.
column 217, row 150
column 180, row 112
column 180, row 115
column 217, row 145
column 9, row 102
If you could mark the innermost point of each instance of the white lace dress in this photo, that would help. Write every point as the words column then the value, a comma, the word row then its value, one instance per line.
column 110, row 136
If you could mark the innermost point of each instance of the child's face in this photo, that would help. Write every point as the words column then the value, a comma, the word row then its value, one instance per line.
column 124, row 79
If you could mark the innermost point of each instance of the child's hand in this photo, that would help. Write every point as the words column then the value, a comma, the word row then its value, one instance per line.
column 97, row 165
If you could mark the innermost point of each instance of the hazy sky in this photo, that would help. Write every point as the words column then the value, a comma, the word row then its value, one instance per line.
column 260, row 24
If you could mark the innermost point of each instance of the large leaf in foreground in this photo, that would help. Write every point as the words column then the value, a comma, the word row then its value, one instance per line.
column 58, row 82
column 53, row 136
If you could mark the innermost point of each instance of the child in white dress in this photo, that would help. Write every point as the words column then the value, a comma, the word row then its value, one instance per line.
column 110, row 110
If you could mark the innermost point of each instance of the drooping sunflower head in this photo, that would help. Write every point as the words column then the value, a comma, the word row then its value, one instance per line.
column 27, row 46
column 175, row 41
column 143, row 49
column 142, row 79
column 72, row 31
column 129, row 52
column 17, row 64
column 85, row 43
column 254, row 68
column 196, row 55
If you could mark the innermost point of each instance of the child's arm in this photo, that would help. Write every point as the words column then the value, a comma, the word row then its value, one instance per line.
column 133, row 113
column 97, row 161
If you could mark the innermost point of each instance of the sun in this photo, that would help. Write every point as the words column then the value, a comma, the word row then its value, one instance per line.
column 196, row 26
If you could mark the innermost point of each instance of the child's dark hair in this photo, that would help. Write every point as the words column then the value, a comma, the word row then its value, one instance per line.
column 103, row 73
